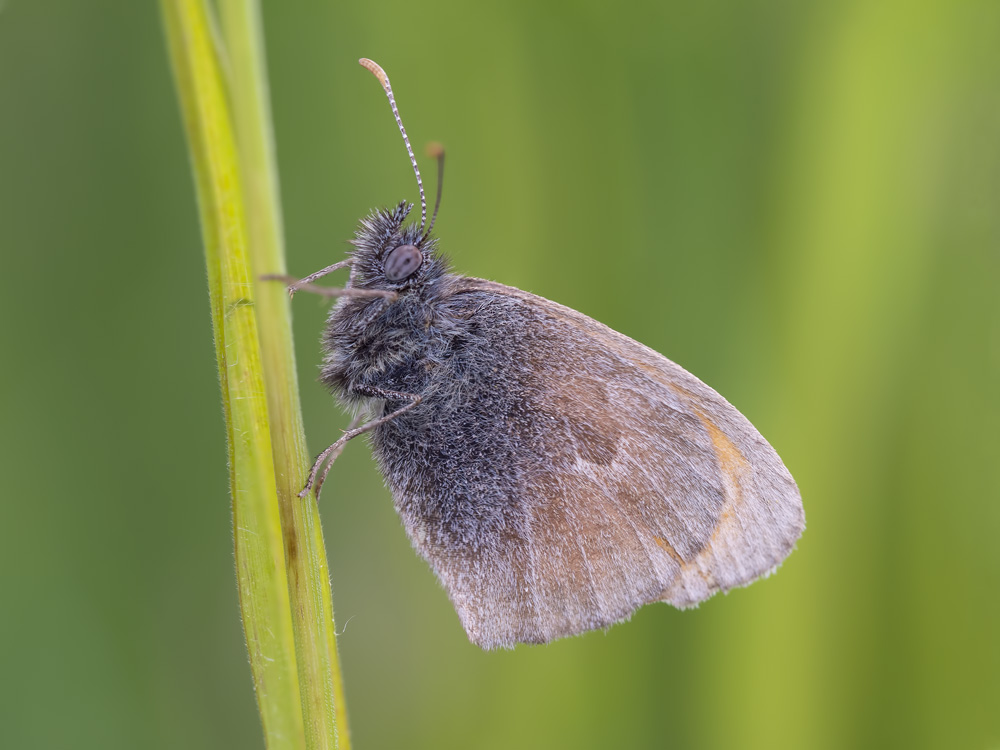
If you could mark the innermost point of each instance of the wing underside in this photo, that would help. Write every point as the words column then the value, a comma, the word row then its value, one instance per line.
column 630, row 481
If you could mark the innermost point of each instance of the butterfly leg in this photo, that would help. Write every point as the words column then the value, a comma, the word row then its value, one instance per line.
column 328, row 457
column 317, row 475
column 305, row 285
column 299, row 285
column 295, row 285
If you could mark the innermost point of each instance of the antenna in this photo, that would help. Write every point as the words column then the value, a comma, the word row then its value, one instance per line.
column 436, row 151
column 377, row 71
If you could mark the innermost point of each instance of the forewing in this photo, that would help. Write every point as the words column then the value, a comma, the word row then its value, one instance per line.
column 634, row 482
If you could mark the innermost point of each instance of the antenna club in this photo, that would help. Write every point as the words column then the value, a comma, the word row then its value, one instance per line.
column 375, row 69
column 434, row 150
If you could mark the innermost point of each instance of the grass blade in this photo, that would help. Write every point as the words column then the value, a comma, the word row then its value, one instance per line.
column 324, row 709
column 260, row 548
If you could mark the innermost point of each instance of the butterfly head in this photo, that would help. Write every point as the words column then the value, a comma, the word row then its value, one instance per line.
column 389, row 255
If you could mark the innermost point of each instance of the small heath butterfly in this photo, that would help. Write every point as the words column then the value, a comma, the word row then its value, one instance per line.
column 556, row 474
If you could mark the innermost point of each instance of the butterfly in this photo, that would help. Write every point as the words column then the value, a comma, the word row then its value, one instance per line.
column 554, row 473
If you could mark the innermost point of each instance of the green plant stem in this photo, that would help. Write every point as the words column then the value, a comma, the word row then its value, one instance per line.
column 324, row 707
column 269, row 592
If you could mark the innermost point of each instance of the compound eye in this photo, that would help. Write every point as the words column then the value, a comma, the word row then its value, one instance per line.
column 402, row 262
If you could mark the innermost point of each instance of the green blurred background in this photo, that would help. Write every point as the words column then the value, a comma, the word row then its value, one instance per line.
column 797, row 201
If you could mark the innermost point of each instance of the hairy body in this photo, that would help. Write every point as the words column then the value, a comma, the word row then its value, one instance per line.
column 554, row 473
